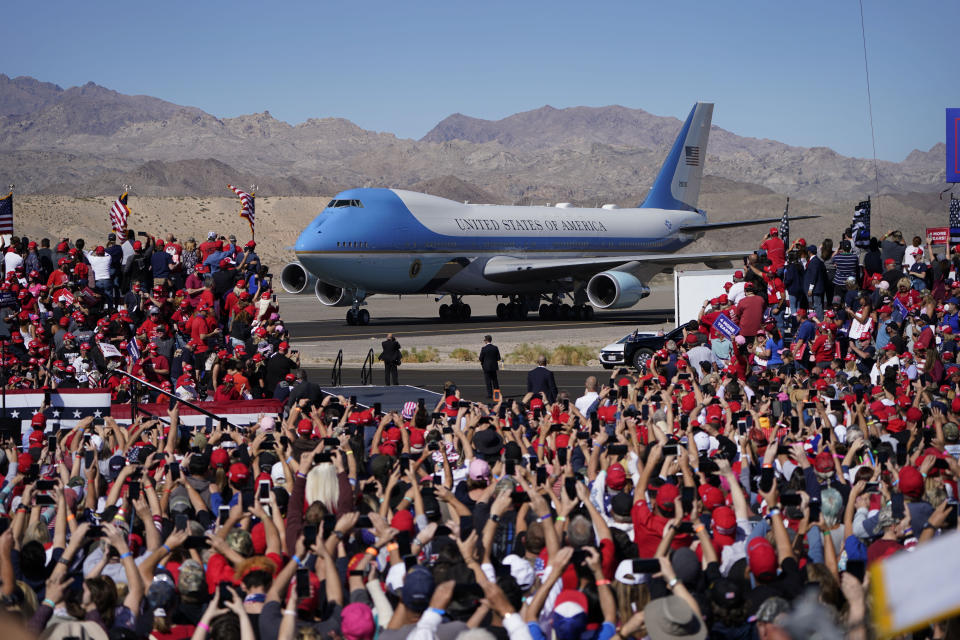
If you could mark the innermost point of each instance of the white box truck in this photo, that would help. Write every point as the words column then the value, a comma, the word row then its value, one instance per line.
column 692, row 286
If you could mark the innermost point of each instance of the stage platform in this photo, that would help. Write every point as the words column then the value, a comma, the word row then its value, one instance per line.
column 390, row 398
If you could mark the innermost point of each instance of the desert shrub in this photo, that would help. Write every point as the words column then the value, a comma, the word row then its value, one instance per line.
column 428, row 354
column 464, row 355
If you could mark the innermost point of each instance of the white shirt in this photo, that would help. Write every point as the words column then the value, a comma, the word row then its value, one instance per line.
column 736, row 292
column 583, row 402
column 100, row 265
column 11, row 261
column 128, row 253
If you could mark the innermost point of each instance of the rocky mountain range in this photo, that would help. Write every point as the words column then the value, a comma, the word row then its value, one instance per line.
column 89, row 140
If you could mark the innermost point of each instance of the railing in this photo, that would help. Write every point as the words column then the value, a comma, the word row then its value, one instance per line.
column 336, row 379
column 366, row 373
column 138, row 382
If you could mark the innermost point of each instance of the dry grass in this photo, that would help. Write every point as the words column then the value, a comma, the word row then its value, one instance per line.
column 428, row 354
column 464, row 355
column 564, row 354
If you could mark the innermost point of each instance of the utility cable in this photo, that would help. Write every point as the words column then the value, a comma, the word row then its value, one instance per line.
column 873, row 138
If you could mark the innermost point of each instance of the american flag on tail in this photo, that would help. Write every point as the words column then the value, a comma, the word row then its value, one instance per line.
column 954, row 221
column 246, row 204
column 118, row 215
column 785, row 225
column 692, row 155
column 6, row 213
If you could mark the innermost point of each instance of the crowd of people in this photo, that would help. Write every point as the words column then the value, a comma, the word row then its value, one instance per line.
column 198, row 320
column 739, row 488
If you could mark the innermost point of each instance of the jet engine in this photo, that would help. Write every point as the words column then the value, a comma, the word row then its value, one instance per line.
column 332, row 295
column 615, row 290
column 295, row 279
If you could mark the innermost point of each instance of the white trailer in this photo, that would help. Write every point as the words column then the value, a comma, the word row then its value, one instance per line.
column 692, row 286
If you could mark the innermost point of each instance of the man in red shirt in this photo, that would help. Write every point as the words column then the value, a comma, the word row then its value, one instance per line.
column 209, row 246
column 156, row 369
column 773, row 245
column 202, row 328
column 749, row 313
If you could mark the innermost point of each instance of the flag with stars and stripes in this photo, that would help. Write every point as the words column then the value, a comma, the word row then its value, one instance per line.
column 246, row 205
column 785, row 225
column 692, row 155
column 860, row 226
column 241, row 412
column 954, row 221
column 6, row 213
column 118, row 215
column 67, row 406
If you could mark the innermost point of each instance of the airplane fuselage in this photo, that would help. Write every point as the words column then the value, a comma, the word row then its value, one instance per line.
column 401, row 242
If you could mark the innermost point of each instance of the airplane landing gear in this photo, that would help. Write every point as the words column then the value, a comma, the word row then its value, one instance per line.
column 356, row 315
column 516, row 309
column 559, row 310
column 457, row 311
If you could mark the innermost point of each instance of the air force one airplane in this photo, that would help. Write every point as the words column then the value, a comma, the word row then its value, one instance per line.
column 390, row 241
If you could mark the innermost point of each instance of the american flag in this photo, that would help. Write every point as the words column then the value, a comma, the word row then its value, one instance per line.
column 6, row 213
column 954, row 221
column 860, row 225
column 785, row 225
column 246, row 204
column 693, row 156
column 118, row 214
column 67, row 406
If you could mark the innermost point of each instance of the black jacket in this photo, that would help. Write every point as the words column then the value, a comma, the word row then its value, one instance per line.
column 541, row 380
column 489, row 358
column 391, row 351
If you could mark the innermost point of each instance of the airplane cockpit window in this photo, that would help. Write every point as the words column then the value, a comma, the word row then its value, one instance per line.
column 337, row 204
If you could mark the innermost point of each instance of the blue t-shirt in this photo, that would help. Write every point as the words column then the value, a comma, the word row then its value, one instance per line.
column 807, row 331
column 775, row 348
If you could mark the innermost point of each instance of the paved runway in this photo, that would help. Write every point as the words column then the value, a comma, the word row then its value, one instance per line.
column 470, row 381
column 309, row 321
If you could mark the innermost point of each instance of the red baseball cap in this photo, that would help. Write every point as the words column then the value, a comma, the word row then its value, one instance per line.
column 616, row 476
column 239, row 473
column 219, row 458
column 762, row 558
column 666, row 495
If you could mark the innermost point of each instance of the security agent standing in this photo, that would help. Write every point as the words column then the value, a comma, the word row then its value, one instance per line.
column 391, row 359
column 490, row 363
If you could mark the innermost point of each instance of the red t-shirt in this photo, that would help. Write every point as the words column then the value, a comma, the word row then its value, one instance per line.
column 750, row 315
column 207, row 248
column 775, row 251
column 648, row 530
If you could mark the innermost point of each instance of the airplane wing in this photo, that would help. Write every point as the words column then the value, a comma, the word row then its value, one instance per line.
column 711, row 226
column 508, row 269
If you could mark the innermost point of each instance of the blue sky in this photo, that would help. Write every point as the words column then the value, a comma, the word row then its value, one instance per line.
column 787, row 71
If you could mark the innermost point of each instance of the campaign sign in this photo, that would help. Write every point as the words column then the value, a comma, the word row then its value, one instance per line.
column 7, row 299
column 953, row 145
column 726, row 326
column 938, row 235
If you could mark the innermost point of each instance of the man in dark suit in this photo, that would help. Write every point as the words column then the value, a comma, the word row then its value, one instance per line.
column 815, row 281
column 391, row 359
column 540, row 380
column 490, row 363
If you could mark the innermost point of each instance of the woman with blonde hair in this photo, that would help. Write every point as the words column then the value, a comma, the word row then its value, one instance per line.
column 322, row 486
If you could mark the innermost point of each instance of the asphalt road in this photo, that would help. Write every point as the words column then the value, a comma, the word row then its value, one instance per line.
column 309, row 321
column 470, row 381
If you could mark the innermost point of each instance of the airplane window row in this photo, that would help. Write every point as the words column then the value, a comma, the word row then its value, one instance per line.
column 336, row 204
column 352, row 245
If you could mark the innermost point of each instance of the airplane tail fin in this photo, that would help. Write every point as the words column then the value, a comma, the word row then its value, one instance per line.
column 678, row 184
